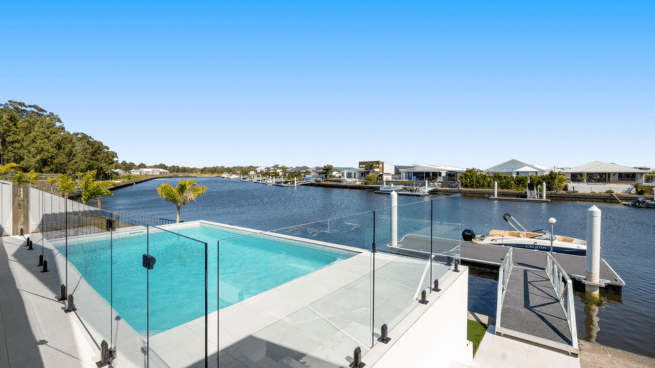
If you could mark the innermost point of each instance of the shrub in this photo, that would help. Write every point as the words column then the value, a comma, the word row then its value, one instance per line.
column 370, row 179
column 609, row 191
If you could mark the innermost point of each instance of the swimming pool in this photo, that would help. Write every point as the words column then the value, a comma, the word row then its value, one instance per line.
column 249, row 265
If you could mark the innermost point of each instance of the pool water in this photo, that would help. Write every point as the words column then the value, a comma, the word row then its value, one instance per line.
column 249, row 265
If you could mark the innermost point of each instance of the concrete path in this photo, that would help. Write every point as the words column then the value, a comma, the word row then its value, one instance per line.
column 34, row 330
column 502, row 352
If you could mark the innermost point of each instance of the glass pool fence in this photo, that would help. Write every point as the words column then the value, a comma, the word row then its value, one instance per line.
column 149, row 291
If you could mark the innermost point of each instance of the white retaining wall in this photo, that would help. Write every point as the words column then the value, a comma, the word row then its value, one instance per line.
column 44, row 203
column 5, row 208
column 438, row 337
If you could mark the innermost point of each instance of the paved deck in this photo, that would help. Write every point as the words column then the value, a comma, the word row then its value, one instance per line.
column 531, row 307
column 34, row 330
column 502, row 352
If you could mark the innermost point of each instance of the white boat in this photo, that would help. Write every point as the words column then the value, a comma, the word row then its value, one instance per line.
column 235, row 177
column 521, row 238
column 391, row 188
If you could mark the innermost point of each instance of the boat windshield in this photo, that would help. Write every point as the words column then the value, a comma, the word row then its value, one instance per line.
column 543, row 234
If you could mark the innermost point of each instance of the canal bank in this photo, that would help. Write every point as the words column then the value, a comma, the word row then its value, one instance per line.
column 488, row 193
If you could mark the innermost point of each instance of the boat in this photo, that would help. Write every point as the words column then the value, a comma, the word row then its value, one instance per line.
column 640, row 203
column 235, row 177
column 390, row 188
column 521, row 238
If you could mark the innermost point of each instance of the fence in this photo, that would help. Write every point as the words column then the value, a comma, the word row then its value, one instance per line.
column 503, row 279
column 564, row 291
column 152, row 289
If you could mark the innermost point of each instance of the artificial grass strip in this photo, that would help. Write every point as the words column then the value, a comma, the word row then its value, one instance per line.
column 474, row 333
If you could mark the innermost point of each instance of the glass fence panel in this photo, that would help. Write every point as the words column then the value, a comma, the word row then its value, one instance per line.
column 88, row 273
column 177, row 300
column 352, row 231
column 129, row 297
column 345, row 243
column 446, row 235
column 402, row 262
column 304, row 298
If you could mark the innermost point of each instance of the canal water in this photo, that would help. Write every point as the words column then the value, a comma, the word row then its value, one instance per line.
column 627, row 240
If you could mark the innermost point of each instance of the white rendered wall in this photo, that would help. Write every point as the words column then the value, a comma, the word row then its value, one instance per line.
column 43, row 203
column 5, row 208
column 438, row 337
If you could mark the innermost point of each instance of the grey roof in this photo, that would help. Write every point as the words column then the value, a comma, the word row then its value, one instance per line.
column 602, row 167
column 507, row 166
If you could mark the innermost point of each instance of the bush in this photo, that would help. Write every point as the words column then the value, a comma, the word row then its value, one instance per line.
column 370, row 179
column 115, row 177
column 609, row 191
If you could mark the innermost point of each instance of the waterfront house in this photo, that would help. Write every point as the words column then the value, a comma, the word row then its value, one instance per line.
column 600, row 177
column 382, row 168
column 432, row 173
column 518, row 168
column 601, row 172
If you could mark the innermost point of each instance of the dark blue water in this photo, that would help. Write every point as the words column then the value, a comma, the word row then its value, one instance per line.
column 628, row 235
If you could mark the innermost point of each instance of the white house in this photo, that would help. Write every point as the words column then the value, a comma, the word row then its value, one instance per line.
column 431, row 172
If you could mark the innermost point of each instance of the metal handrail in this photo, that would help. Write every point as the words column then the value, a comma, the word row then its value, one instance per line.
column 503, row 279
column 555, row 273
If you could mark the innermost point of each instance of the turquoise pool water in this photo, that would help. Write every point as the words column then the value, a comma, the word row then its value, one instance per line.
column 249, row 265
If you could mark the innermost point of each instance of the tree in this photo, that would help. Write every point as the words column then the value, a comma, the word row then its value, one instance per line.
column 22, row 178
column 92, row 189
column 52, row 181
column 66, row 185
column 369, row 166
column 36, row 140
column 10, row 167
column 184, row 193
column 370, row 179
column 327, row 170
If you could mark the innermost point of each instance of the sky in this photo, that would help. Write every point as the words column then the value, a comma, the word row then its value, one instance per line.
column 458, row 83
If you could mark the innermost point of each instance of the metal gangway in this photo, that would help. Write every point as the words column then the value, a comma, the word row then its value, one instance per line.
column 536, row 305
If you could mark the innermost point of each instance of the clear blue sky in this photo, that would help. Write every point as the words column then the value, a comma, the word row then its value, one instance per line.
column 461, row 83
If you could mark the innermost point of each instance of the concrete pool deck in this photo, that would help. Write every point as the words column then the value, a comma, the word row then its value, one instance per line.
column 315, row 320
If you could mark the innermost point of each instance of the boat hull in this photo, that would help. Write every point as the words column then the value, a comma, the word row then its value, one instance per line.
column 558, row 247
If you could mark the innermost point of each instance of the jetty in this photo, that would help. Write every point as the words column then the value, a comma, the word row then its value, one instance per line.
column 535, row 289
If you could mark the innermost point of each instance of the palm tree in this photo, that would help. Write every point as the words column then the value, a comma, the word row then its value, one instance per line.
column 186, row 191
column 92, row 190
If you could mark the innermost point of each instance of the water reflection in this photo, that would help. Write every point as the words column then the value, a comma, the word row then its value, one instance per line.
column 591, row 326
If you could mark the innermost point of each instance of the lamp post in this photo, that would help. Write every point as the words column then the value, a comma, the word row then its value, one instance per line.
column 552, row 222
